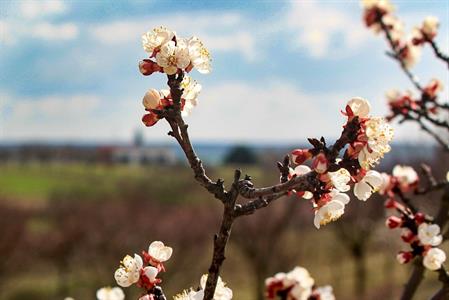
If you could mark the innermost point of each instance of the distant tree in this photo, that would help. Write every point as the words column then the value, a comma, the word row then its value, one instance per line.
column 240, row 154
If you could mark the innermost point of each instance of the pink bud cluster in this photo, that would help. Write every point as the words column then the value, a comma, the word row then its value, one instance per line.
column 378, row 15
column 403, row 104
column 364, row 141
column 418, row 230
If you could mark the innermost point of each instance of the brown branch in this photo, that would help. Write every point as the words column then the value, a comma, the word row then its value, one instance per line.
column 396, row 55
column 438, row 52
column 443, row 293
column 414, row 280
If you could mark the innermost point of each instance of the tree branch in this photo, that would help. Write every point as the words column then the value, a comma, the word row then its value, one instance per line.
column 438, row 52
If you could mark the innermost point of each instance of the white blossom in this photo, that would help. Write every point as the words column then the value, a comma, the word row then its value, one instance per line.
column 379, row 134
column 154, row 39
column 222, row 292
column 369, row 184
column 386, row 180
column 434, row 258
column 405, row 175
column 191, row 90
column 299, row 171
column 108, row 293
column 340, row 179
column 129, row 271
column 151, row 273
column 332, row 210
column 325, row 292
column 159, row 251
column 199, row 55
column 173, row 56
column 360, row 107
column 298, row 282
column 429, row 234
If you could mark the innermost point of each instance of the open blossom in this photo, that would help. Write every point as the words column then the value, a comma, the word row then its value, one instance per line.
column 332, row 210
column 298, row 283
column 199, row 55
column 434, row 258
column 129, row 271
column 222, row 292
column 359, row 107
column 299, row 171
column 429, row 234
column 406, row 177
column 340, row 179
column 324, row 293
column 154, row 39
column 369, row 184
column 173, row 56
column 374, row 10
column 191, row 90
column 379, row 134
column 159, row 252
column 108, row 293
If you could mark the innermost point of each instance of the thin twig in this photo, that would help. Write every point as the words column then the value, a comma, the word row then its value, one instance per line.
column 438, row 52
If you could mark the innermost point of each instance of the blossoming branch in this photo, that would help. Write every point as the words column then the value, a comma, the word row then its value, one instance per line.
column 333, row 169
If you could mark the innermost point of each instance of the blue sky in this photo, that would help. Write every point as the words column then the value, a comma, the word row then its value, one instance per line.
column 282, row 70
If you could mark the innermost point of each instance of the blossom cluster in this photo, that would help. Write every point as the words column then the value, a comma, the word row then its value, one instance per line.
column 378, row 15
column 418, row 231
column 367, row 140
column 296, row 285
column 404, row 104
column 143, row 270
column 171, row 54
column 222, row 292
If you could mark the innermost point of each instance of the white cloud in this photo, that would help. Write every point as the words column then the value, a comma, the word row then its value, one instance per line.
column 48, row 31
column 60, row 107
column 317, row 26
column 34, row 9
column 220, row 33
column 276, row 111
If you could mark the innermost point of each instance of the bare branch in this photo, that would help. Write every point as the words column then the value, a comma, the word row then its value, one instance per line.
column 438, row 52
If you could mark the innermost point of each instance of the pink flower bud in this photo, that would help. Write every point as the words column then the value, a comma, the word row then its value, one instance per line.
column 419, row 218
column 150, row 119
column 393, row 222
column 320, row 163
column 407, row 235
column 404, row 257
column 148, row 67
column 299, row 156
column 152, row 99
column 390, row 203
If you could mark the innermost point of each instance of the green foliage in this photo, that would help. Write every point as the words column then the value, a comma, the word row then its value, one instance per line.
column 241, row 155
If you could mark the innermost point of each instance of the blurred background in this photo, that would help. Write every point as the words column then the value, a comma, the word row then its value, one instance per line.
column 82, row 182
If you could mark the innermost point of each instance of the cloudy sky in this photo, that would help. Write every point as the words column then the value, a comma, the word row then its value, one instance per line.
column 282, row 71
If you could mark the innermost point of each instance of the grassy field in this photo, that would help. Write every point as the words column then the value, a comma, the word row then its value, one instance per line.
column 37, row 186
